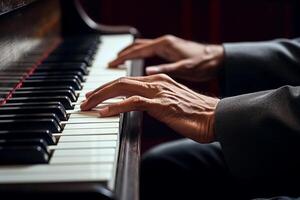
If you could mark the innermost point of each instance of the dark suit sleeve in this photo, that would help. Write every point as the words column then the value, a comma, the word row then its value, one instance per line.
column 257, row 66
column 260, row 135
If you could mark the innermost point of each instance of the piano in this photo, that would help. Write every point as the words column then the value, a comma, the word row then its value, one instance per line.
column 51, row 54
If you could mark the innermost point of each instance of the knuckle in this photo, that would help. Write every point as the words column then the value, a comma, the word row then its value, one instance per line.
column 156, row 87
column 93, row 98
column 122, row 81
column 169, row 38
column 163, row 77
column 138, row 102
column 115, row 108
column 188, row 64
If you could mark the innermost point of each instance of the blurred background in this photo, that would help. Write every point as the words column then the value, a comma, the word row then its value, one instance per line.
column 208, row 21
column 211, row 21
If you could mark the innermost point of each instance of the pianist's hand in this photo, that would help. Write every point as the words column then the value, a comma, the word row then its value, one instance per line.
column 182, row 109
column 189, row 60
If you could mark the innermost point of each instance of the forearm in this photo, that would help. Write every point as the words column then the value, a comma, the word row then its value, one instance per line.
column 257, row 66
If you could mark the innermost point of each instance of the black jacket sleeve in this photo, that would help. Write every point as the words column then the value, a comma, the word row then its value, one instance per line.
column 260, row 135
column 257, row 66
column 260, row 132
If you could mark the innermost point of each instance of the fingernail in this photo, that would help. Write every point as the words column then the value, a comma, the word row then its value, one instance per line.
column 110, row 64
column 152, row 70
column 113, row 63
column 103, row 112
column 83, row 105
column 88, row 94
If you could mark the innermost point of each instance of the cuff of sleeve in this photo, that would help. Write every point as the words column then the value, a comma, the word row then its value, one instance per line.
column 233, row 128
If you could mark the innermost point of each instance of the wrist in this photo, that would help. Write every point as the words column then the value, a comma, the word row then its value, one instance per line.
column 215, row 53
column 211, row 122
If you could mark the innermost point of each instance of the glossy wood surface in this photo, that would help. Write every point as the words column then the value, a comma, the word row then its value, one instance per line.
column 10, row 5
column 28, row 31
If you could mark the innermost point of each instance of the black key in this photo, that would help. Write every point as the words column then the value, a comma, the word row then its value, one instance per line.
column 64, row 100
column 45, row 93
column 30, row 124
column 3, row 95
column 63, row 67
column 70, row 51
column 32, row 151
column 33, row 104
column 58, row 110
column 61, row 77
column 28, row 134
column 11, row 77
column 9, row 83
column 35, row 141
column 14, row 73
column 52, row 82
column 53, row 88
column 31, row 116
column 78, row 44
column 55, row 73
column 16, row 70
column 23, row 154
column 87, row 59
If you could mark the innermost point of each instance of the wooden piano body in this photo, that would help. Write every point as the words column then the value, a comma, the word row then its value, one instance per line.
column 30, row 30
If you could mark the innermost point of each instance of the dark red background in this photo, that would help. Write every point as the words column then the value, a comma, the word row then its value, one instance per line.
column 203, row 20
column 210, row 21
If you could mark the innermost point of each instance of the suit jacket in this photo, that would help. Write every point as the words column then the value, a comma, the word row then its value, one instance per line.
column 258, row 121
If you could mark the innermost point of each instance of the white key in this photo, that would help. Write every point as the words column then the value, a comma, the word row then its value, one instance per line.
column 82, row 159
column 88, row 175
column 84, row 145
column 115, row 100
column 87, row 138
column 78, row 111
column 84, row 115
column 108, row 78
column 78, row 120
column 77, row 106
column 91, row 131
column 92, row 125
column 83, row 152
column 51, row 169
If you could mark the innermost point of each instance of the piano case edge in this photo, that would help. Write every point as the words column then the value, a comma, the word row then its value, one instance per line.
column 127, row 179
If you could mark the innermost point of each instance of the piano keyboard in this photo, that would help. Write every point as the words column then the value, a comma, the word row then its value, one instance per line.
column 44, row 137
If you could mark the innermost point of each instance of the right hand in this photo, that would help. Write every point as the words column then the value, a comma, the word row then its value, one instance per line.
column 189, row 60
column 185, row 111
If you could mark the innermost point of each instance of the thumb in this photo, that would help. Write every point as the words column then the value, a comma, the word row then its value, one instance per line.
column 165, row 68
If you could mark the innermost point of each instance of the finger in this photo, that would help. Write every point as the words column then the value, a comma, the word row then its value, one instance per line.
column 146, row 79
column 165, row 68
column 87, row 95
column 141, row 51
column 123, row 87
column 135, row 43
column 134, row 103
column 143, row 40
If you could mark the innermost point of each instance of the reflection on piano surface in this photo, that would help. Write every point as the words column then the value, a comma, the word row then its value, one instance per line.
column 47, row 145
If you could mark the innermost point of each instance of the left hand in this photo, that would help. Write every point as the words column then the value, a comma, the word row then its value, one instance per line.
column 187, row 112
column 188, row 60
